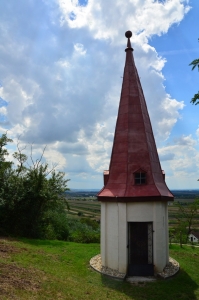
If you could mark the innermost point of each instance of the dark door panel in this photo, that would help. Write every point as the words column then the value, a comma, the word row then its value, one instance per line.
column 140, row 246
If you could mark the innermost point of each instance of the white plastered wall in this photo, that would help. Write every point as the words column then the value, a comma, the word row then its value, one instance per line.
column 114, row 236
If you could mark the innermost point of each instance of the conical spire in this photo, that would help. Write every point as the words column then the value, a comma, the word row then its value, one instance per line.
column 134, row 173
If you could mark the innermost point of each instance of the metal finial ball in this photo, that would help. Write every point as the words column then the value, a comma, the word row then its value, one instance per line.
column 128, row 34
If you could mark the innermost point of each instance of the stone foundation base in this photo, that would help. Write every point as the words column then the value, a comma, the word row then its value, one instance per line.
column 169, row 271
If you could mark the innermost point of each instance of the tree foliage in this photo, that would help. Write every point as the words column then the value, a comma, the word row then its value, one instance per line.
column 187, row 213
column 195, row 64
column 31, row 197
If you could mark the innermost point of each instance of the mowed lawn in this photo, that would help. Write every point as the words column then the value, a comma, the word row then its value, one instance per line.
column 35, row 269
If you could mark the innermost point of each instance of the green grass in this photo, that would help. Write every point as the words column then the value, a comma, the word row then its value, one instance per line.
column 60, row 270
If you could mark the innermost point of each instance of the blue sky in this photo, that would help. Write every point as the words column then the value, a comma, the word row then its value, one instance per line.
column 61, row 64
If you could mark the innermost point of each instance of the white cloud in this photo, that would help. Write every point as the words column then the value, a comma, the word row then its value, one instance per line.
column 110, row 19
column 78, row 148
column 3, row 110
column 185, row 141
column 55, row 158
column 18, row 93
column 79, row 48
column 163, row 109
column 62, row 84
column 180, row 162
column 63, row 63
column 99, row 146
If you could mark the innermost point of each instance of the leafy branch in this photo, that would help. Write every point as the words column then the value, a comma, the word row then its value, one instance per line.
column 195, row 64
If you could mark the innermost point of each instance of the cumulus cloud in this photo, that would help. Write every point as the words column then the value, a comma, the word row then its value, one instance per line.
column 145, row 17
column 180, row 161
column 78, row 148
column 55, row 158
column 167, row 156
column 185, row 141
column 61, row 71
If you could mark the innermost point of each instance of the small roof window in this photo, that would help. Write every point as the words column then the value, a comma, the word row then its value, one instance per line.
column 140, row 178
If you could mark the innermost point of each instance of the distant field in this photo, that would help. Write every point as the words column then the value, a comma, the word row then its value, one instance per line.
column 90, row 207
column 172, row 212
column 85, row 207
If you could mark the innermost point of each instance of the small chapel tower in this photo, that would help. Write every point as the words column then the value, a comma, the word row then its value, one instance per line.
column 134, row 199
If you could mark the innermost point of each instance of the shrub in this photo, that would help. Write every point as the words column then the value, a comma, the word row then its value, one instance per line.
column 54, row 226
column 31, row 197
column 82, row 233
column 85, row 236
column 92, row 223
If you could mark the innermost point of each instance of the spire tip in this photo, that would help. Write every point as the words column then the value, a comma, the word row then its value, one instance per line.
column 128, row 34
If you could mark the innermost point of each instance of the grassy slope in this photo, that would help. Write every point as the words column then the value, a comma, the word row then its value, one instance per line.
column 60, row 270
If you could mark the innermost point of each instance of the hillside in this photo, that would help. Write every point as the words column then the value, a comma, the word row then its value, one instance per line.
column 36, row 269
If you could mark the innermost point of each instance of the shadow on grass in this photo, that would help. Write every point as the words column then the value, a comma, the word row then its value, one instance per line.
column 179, row 287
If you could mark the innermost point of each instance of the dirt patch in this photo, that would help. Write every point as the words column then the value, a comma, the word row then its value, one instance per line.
column 13, row 277
column 6, row 249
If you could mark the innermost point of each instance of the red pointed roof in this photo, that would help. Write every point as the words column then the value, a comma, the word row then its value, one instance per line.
column 134, row 151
